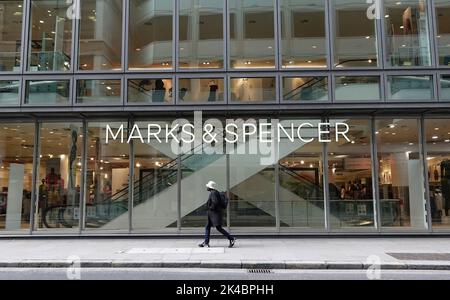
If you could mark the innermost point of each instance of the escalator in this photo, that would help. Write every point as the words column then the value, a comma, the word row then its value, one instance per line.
column 154, row 192
column 314, row 89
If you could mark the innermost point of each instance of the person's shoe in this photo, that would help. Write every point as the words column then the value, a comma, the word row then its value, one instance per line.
column 232, row 241
column 202, row 245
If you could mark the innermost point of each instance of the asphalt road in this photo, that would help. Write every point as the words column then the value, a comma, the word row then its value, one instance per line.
column 217, row 274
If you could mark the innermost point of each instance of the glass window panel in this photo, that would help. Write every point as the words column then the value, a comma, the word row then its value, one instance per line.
column 401, row 182
column 16, row 169
column 407, row 34
column 150, row 34
column 107, row 190
column 437, row 133
column 410, row 87
column 150, row 91
column 47, row 92
column 10, row 39
column 9, row 92
column 355, row 39
column 301, row 194
column 303, row 34
column 59, row 175
column 100, row 40
column 50, row 37
column 445, row 87
column 252, row 184
column 201, row 90
column 200, row 164
column 305, row 88
column 443, row 30
column 350, row 176
column 356, row 88
column 155, row 181
column 252, row 34
column 201, row 34
column 103, row 92
column 253, row 89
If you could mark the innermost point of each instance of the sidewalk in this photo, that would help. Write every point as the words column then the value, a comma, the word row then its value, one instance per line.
column 255, row 253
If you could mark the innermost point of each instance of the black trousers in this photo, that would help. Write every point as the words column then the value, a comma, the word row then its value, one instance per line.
column 219, row 228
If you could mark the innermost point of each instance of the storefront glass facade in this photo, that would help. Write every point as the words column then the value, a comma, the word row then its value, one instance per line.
column 68, row 71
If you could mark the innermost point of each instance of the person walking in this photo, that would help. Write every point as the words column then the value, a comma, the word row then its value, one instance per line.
column 215, row 215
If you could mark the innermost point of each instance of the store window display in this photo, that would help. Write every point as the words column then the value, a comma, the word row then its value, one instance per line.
column 438, row 160
column 16, row 167
column 59, row 175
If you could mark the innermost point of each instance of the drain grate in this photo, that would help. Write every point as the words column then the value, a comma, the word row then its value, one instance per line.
column 260, row 271
column 421, row 256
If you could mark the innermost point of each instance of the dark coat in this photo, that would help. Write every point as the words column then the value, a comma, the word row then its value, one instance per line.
column 214, row 209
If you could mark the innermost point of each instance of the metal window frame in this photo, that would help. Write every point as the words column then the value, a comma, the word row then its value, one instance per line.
column 219, row 76
column 232, row 76
column 98, row 77
column 386, row 64
column 332, row 40
column 381, row 86
column 124, row 48
column 27, row 49
column 135, row 76
column 18, row 79
column 300, row 75
column 439, row 86
column 434, row 7
column 85, row 231
column 279, row 37
column 37, row 158
column 374, row 172
column 127, row 51
column 433, row 87
column 181, row 70
column 276, row 66
column 46, row 77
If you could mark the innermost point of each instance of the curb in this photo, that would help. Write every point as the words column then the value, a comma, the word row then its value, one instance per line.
column 271, row 265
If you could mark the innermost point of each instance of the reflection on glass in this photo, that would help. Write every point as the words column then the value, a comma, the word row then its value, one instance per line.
column 201, row 34
column 407, row 36
column 150, row 90
column 100, row 40
column 253, row 89
column 401, row 182
column 50, row 37
column 350, row 176
column 10, row 39
column 16, row 169
column 355, row 39
column 252, row 34
column 59, row 175
column 438, row 150
column 150, row 34
column 49, row 92
column 305, row 88
column 106, row 91
column 443, row 31
column 445, row 87
column 9, row 92
column 303, row 33
column 155, row 182
column 107, row 190
column 357, row 88
column 301, row 195
column 201, row 90
column 410, row 87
